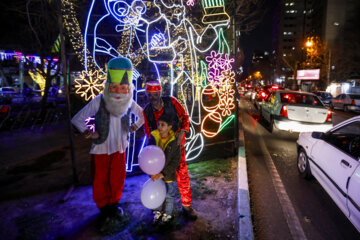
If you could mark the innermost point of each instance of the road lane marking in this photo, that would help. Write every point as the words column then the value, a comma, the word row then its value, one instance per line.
column 288, row 209
column 290, row 215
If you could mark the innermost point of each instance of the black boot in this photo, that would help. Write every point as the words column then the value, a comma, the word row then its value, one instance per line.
column 189, row 213
column 116, row 211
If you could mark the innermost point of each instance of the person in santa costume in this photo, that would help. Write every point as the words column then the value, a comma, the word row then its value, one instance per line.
column 109, row 141
column 157, row 106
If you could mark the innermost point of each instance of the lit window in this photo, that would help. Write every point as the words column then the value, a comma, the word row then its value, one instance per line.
column 336, row 23
column 291, row 4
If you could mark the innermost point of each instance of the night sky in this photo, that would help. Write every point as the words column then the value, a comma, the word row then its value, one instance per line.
column 261, row 37
column 258, row 39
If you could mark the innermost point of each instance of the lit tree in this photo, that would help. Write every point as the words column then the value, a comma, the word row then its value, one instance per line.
column 315, row 53
column 38, row 21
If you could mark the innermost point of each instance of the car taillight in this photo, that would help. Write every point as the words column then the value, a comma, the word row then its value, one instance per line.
column 353, row 102
column 263, row 95
column 329, row 116
column 283, row 111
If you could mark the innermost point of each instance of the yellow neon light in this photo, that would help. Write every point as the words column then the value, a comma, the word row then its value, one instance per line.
column 39, row 79
column 90, row 84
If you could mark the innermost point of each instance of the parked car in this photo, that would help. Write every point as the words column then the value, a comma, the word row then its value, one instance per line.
column 7, row 91
column 346, row 102
column 325, row 97
column 296, row 111
column 333, row 158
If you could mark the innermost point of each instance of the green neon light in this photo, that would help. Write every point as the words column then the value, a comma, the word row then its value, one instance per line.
column 213, row 3
column 226, row 122
column 223, row 45
column 203, row 73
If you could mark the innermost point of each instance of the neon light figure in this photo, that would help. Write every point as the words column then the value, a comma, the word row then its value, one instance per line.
column 121, row 17
column 103, row 38
column 214, row 11
column 176, row 37
column 221, row 80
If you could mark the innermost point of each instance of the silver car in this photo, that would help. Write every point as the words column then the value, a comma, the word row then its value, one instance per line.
column 346, row 102
column 296, row 111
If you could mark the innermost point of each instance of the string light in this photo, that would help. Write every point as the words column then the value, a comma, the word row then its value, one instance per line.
column 75, row 35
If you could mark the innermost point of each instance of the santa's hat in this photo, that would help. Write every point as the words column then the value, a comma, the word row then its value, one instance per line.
column 153, row 86
column 119, row 70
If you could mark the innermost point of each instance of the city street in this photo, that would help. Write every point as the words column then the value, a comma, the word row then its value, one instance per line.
column 272, row 155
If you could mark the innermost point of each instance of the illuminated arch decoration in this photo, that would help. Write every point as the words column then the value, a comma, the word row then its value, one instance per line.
column 90, row 84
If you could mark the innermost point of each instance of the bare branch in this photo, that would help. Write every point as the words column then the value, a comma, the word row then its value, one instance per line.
column 31, row 26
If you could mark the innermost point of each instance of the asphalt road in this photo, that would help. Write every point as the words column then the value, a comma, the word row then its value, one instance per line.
column 283, row 205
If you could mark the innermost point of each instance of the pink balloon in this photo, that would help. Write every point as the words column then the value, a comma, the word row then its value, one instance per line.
column 152, row 160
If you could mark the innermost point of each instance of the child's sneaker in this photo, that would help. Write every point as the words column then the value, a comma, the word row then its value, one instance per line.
column 166, row 218
column 157, row 217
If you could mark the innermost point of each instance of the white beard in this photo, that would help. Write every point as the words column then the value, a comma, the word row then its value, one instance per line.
column 118, row 107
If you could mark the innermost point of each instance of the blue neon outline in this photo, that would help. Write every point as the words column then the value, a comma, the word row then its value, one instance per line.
column 85, row 35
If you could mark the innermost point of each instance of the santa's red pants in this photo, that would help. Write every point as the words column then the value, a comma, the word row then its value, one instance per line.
column 183, row 180
column 109, row 173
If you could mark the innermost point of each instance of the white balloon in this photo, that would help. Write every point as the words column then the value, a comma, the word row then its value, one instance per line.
column 151, row 160
column 153, row 193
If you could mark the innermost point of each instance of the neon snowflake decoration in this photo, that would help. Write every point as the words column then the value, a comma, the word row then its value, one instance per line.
column 90, row 84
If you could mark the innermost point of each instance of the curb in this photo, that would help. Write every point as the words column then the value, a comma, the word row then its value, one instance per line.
column 245, row 227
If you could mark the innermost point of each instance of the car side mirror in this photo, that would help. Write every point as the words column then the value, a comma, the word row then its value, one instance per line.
column 317, row 135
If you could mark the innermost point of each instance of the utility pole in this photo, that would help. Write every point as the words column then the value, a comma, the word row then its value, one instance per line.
column 329, row 68
column 236, row 132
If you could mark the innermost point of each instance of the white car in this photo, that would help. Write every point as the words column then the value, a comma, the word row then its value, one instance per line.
column 296, row 111
column 333, row 158
column 346, row 102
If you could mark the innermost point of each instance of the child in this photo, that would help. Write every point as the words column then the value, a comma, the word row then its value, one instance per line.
column 164, row 138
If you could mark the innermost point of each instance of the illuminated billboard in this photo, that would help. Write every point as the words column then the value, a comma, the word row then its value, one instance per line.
column 308, row 74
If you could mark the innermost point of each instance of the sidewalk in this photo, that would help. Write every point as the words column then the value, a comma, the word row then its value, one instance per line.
column 46, row 216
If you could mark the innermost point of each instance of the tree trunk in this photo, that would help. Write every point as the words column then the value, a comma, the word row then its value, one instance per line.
column 44, row 99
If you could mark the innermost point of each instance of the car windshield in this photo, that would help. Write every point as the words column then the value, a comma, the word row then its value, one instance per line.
column 325, row 95
column 354, row 96
column 298, row 98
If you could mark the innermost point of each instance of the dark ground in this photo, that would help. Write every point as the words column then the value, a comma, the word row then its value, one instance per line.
column 36, row 175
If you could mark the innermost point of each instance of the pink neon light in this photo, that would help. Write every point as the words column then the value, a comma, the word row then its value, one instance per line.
column 190, row 3
column 217, row 65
